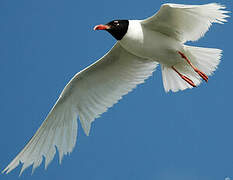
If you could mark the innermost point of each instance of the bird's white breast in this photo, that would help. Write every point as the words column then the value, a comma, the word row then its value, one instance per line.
column 150, row 44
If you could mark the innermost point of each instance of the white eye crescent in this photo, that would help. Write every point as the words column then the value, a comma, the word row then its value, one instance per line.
column 116, row 23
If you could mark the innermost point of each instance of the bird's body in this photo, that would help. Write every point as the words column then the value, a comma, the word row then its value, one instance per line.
column 141, row 46
column 153, row 45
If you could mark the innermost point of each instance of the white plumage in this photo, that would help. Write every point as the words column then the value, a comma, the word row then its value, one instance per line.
column 132, row 60
column 186, row 22
column 205, row 59
column 90, row 93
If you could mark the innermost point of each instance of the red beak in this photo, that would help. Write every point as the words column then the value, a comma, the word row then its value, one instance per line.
column 101, row 27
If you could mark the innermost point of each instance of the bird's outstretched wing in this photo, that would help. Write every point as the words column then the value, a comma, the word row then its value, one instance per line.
column 186, row 22
column 89, row 94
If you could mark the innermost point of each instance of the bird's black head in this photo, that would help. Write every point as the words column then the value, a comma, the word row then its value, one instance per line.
column 116, row 28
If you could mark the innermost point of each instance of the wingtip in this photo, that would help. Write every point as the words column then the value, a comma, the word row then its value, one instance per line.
column 3, row 171
column 6, row 170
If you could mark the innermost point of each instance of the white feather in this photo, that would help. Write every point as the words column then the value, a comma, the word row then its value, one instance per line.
column 89, row 94
column 205, row 59
column 186, row 22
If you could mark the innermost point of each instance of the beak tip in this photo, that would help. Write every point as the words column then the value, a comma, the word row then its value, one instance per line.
column 95, row 28
column 100, row 27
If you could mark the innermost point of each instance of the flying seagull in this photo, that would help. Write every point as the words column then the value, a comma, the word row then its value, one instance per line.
column 141, row 45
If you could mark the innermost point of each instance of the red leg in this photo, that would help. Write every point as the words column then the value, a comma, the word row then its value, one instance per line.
column 203, row 75
column 184, row 77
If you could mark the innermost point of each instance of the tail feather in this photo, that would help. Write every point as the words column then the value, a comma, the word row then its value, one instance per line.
column 205, row 59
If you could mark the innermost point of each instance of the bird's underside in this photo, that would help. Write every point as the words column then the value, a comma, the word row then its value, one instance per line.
column 99, row 86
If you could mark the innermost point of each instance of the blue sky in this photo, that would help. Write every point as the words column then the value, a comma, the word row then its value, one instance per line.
column 149, row 134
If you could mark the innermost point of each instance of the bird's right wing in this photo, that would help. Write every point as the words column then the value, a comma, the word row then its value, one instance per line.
column 89, row 94
column 186, row 22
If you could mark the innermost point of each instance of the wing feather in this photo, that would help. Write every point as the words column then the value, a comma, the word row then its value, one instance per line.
column 89, row 94
column 186, row 22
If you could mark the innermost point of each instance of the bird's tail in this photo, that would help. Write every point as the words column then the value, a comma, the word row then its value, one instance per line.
column 205, row 59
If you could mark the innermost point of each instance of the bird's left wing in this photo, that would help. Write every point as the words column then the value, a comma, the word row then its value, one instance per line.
column 89, row 94
column 186, row 22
